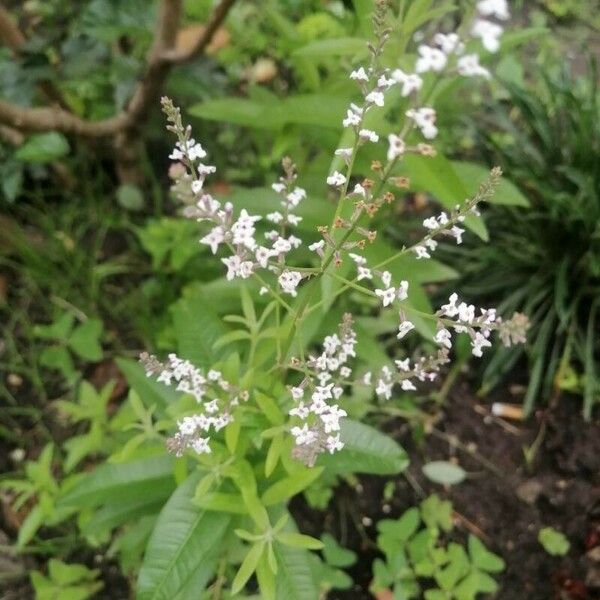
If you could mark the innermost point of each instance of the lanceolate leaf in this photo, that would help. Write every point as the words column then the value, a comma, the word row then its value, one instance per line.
column 197, row 327
column 294, row 577
column 183, row 549
column 366, row 450
column 147, row 478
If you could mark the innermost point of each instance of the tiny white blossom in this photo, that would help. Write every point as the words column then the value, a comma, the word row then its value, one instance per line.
column 430, row 59
column 421, row 252
column 407, row 385
column 402, row 292
column 317, row 246
column 368, row 135
column 357, row 258
column 396, row 148
column 375, row 97
column 333, row 443
column 359, row 75
column 387, row 296
column 289, row 281
column 444, row 338
column 494, row 8
column 336, row 179
column 489, row 33
column 364, row 273
column 468, row 66
column 404, row 328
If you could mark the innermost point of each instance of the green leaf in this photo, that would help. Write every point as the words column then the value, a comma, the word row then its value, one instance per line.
column 437, row 176
column 84, row 340
column 222, row 502
column 247, row 567
column 126, row 510
column 336, row 555
column 32, row 522
column 444, row 472
column 482, row 558
column 266, row 579
column 366, row 450
column 183, row 549
column 294, row 577
column 269, row 407
column 554, row 542
column 130, row 197
column 290, row 486
column 146, row 478
column 298, row 540
column 43, row 148
column 196, row 326
column 332, row 47
column 471, row 174
column 149, row 390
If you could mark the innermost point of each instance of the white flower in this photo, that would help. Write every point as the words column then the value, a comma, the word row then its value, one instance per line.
column 457, row 233
column 187, row 426
column 233, row 266
column 430, row 59
column 449, row 42
column 359, row 75
column 214, row 238
column 402, row 292
column 297, row 393
column 425, row 120
column 333, row 443
column 194, row 150
column 494, row 8
column 387, row 296
column 245, row 269
column 367, row 135
column 300, row 411
column 396, row 148
column 296, row 196
column 294, row 241
column 336, row 179
column 263, row 290
column 384, row 388
column 197, row 186
column 386, row 278
column 204, row 170
column 353, row 116
column 478, row 343
column 359, row 190
column 275, row 217
column 450, row 309
column 411, row 82
column 345, row 153
column 303, row 435
column 404, row 328
column 444, row 338
column 262, row 255
column 317, row 246
column 364, row 273
column 468, row 66
column 357, row 258
column 407, row 385
column 281, row 246
column 421, row 252
column 200, row 446
column 489, row 33
column 293, row 219
column 278, row 187
column 289, row 281
column 375, row 97
column 403, row 365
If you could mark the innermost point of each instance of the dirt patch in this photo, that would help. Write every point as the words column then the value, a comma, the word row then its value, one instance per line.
column 505, row 500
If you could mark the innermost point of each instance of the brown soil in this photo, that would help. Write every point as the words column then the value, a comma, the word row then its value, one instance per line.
column 506, row 502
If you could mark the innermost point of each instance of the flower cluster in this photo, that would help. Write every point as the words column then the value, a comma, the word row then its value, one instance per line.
column 324, row 377
column 316, row 413
column 479, row 324
column 216, row 396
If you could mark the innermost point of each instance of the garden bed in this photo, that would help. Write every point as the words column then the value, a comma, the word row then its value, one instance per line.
column 505, row 503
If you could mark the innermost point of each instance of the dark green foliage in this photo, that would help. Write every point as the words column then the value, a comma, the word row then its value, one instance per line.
column 545, row 261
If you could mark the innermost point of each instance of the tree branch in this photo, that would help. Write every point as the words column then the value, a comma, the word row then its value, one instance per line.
column 161, row 58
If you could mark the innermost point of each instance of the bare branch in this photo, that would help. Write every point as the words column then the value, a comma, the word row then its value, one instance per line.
column 160, row 60
column 10, row 34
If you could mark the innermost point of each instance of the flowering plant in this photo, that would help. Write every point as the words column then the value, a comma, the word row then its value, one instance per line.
column 271, row 417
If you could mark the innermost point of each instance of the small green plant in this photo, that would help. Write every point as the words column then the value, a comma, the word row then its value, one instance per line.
column 67, row 340
column 421, row 562
column 65, row 582
column 37, row 494
column 553, row 541
column 545, row 261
